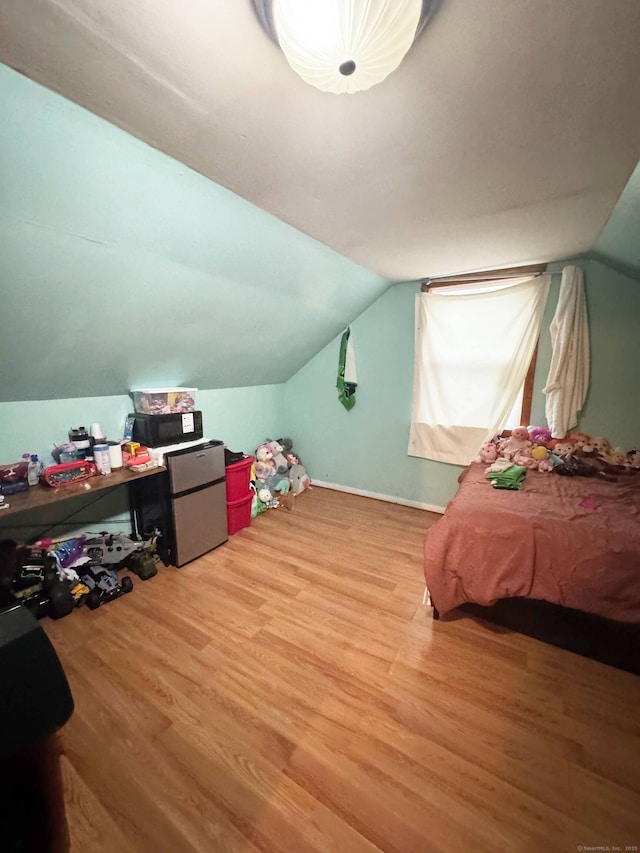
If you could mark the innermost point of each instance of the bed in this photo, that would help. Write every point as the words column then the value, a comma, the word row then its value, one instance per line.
column 570, row 541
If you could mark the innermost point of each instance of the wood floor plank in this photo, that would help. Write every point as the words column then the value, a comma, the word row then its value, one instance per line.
column 92, row 829
column 289, row 693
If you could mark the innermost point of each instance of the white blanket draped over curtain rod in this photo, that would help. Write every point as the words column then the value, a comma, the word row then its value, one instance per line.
column 473, row 348
column 568, row 379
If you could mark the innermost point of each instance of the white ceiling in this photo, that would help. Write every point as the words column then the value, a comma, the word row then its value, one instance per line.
column 505, row 137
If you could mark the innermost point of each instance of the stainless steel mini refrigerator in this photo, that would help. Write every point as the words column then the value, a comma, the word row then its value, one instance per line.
column 198, row 499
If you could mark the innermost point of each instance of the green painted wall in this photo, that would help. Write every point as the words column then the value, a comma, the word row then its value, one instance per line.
column 367, row 447
column 612, row 407
column 122, row 268
column 618, row 240
column 241, row 417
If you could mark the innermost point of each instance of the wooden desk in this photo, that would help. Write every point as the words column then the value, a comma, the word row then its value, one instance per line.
column 43, row 495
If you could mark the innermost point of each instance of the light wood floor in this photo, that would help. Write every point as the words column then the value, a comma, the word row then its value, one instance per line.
column 290, row 692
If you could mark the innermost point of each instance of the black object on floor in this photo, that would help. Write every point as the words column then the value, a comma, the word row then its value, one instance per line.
column 35, row 701
column 614, row 643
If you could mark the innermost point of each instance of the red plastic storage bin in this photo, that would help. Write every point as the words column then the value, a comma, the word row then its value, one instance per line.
column 239, row 514
column 238, row 478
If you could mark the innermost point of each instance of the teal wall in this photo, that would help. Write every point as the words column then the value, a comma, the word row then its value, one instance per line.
column 613, row 405
column 618, row 241
column 367, row 448
column 241, row 417
column 122, row 268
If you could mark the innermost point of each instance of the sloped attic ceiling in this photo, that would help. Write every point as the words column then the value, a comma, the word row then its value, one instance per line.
column 121, row 268
column 506, row 136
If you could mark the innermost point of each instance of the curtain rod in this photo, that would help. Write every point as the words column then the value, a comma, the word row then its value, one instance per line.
column 533, row 271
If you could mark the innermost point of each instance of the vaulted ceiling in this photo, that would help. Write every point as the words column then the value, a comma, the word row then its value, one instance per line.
column 506, row 136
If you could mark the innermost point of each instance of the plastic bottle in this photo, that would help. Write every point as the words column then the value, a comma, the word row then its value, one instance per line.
column 35, row 470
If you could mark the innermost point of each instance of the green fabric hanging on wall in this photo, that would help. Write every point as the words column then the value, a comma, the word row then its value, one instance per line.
column 347, row 377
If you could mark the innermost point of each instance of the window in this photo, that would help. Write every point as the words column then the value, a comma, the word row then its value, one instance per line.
column 475, row 343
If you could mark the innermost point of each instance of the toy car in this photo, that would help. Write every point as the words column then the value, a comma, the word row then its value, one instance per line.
column 109, row 549
column 29, row 577
column 103, row 585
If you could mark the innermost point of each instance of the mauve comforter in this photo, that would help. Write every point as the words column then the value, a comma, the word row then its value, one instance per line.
column 539, row 543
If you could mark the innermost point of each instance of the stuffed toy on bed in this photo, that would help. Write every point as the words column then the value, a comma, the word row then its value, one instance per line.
column 517, row 443
column 488, row 453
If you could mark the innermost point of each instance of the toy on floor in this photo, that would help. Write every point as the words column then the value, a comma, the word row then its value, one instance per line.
column 103, row 585
column 300, row 480
column 279, row 459
column 109, row 549
column 265, row 466
column 29, row 577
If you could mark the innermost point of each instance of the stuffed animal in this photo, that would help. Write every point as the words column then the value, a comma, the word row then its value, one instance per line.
column 524, row 458
column 578, row 439
column 265, row 466
column 617, row 456
column 299, row 479
column 517, row 442
column 280, row 460
column 586, row 462
column 488, row 453
column 601, row 445
column 297, row 473
column 539, row 435
column 278, row 483
column 287, row 449
column 633, row 459
column 563, row 447
column 267, row 498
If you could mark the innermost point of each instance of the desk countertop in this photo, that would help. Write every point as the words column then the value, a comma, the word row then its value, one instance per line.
column 43, row 495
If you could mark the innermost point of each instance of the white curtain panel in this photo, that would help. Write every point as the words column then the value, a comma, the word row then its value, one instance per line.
column 472, row 353
column 318, row 37
column 568, row 379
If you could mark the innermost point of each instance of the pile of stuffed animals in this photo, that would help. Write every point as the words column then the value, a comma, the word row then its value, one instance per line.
column 278, row 471
column 575, row 455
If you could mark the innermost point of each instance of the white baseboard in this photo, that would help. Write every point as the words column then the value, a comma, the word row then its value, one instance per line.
column 378, row 497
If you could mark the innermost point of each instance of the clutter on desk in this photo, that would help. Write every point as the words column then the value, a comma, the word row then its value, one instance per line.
column 14, row 477
column 163, row 417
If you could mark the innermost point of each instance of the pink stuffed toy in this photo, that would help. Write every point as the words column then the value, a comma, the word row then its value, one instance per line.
column 518, row 442
column 524, row 457
column 488, row 453
column 540, row 435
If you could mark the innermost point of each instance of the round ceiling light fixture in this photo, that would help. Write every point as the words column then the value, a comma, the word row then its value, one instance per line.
column 343, row 45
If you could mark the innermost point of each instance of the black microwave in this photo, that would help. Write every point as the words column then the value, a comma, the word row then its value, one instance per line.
column 158, row 430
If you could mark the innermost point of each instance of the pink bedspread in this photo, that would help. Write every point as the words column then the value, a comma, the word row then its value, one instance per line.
column 539, row 543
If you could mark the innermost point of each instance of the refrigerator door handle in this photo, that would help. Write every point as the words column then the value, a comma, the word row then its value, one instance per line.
column 199, row 488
